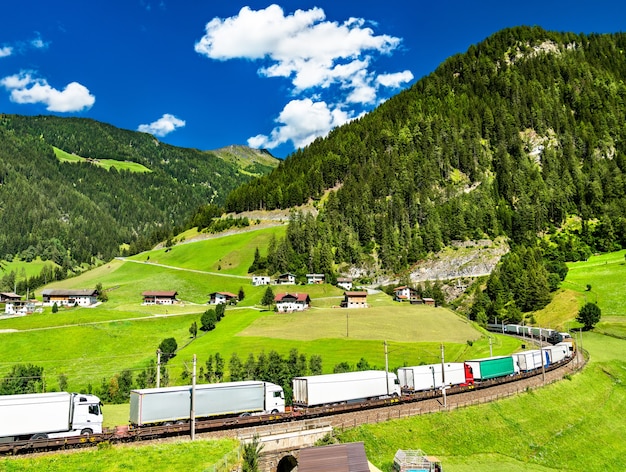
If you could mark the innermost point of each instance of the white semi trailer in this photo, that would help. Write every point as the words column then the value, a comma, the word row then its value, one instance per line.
column 315, row 390
column 49, row 415
column 152, row 406
column 433, row 376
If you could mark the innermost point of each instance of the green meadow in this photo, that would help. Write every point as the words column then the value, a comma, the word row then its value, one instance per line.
column 89, row 344
column 573, row 425
column 105, row 163
column 199, row 455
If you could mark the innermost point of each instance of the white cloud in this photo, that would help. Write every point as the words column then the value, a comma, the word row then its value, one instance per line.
column 6, row 51
column 26, row 89
column 301, row 121
column 38, row 43
column 395, row 80
column 163, row 126
column 316, row 55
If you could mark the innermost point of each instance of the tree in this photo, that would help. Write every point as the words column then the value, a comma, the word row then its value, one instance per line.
column 236, row 368
column 219, row 367
column 268, row 297
column 251, row 452
column 315, row 364
column 241, row 295
column 208, row 320
column 589, row 315
column 193, row 329
column 23, row 378
column 62, row 381
column 220, row 311
column 55, row 308
column 168, row 349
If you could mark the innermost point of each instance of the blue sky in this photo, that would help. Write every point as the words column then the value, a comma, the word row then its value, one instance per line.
column 207, row 74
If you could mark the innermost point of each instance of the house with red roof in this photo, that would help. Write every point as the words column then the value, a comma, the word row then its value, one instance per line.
column 288, row 302
column 222, row 298
column 163, row 297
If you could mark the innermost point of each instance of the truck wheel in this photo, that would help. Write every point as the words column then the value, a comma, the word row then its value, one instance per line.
column 40, row 436
column 274, row 411
column 86, row 432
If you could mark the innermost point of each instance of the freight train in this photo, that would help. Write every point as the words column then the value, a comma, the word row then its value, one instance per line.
column 548, row 335
column 163, row 411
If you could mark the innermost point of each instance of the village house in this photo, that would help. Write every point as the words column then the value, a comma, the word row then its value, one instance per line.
column 222, row 298
column 429, row 301
column 356, row 299
column 405, row 294
column 163, row 297
column 286, row 279
column 260, row 280
column 315, row 279
column 19, row 307
column 9, row 297
column 69, row 297
column 288, row 302
column 344, row 283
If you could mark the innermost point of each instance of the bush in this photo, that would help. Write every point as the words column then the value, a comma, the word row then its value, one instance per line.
column 168, row 349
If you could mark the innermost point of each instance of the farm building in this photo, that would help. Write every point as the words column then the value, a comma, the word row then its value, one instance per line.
column 286, row 279
column 9, row 296
column 221, row 298
column 167, row 297
column 405, row 294
column 354, row 299
column 348, row 457
column 429, row 301
column 315, row 278
column 19, row 307
column 260, row 280
column 344, row 283
column 69, row 297
column 288, row 302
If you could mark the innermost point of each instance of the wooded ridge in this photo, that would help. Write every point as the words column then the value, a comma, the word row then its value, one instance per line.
column 72, row 212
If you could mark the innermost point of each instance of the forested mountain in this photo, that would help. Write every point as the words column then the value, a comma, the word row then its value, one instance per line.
column 72, row 212
column 524, row 130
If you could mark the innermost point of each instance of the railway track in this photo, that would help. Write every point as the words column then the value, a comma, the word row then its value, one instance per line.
column 385, row 409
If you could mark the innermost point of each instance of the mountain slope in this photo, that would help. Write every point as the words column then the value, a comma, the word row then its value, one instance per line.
column 54, row 205
column 510, row 138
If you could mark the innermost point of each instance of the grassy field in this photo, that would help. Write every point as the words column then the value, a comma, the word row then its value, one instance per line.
column 89, row 344
column 26, row 269
column 574, row 425
column 106, row 163
column 199, row 455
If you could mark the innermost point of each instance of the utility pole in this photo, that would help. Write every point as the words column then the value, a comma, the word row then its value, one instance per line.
column 158, row 379
column 543, row 360
column 346, row 323
column 387, row 367
column 490, row 348
column 443, row 370
column 192, row 415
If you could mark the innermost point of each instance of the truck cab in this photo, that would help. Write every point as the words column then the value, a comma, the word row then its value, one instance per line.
column 87, row 414
column 274, row 398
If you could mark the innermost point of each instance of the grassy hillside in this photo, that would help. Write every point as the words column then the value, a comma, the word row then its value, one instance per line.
column 179, row 455
column 89, row 344
column 573, row 425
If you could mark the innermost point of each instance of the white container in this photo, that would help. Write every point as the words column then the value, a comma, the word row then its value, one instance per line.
column 531, row 360
column 429, row 377
column 51, row 415
column 171, row 404
column 339, row 388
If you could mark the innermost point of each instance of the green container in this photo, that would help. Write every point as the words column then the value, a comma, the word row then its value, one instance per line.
column 492, row 367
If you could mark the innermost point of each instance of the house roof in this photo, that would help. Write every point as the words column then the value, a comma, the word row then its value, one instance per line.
column 67, row 292
column 315, row 275
column 344, row 279
column 11, row 295
column 288, row 274
column 226, row 294
column 162, row 293
column 359, row 293
column 400, row 288
column 336, row 457
column 300, row 297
